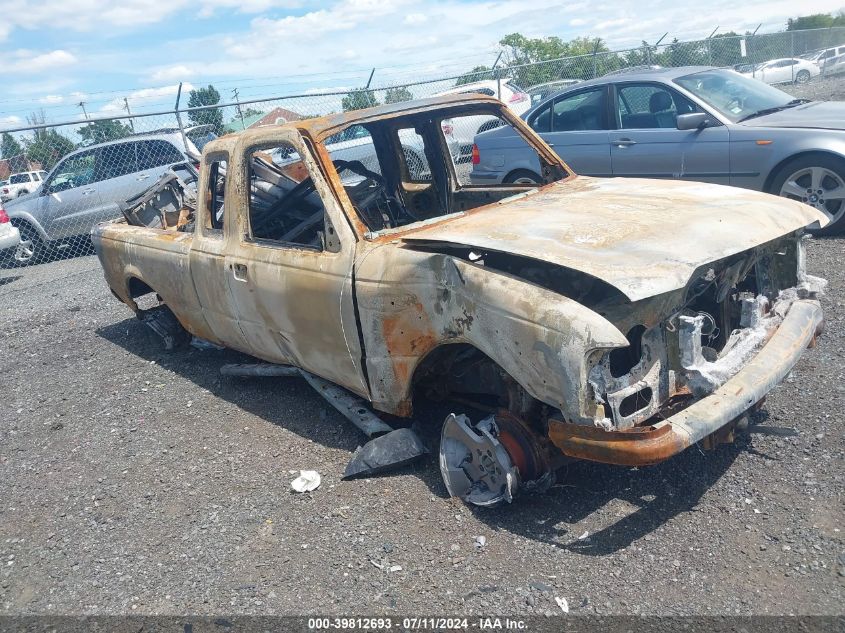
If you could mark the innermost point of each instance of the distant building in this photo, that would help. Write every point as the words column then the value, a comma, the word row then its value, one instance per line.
column 276, row 116
column 15, row 164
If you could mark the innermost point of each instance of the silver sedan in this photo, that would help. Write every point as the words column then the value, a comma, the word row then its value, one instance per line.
column 693, row 123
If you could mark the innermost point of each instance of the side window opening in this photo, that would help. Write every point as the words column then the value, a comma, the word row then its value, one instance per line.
column 499, row 159
column 157, row 153
column 285, row 207
column 415, row 168
column 75, row 171
column 645, row 106
column 214, row 195
column 117, row 160
column 582, row 111
column 542, row 122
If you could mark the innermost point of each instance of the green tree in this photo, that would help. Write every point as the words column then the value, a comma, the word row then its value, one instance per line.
column 102, row 131
column 816, row 21
column 213, row 116
column 9, row 146
column 571, row 59
column 359, row 99
column 476, row 74
column 397, row 95
column 248, row 112
column 47, row 147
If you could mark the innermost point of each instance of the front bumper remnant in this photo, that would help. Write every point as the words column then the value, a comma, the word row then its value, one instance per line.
column 645, row 445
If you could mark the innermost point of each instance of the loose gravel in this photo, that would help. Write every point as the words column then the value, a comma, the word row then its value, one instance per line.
column 139, row 481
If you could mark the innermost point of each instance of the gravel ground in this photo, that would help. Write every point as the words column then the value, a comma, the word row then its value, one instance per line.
column 140, row 481
column 830, row 88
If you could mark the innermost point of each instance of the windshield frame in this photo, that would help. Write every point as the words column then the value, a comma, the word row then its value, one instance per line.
column 769, row 95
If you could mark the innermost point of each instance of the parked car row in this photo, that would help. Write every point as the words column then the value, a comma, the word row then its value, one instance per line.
column 691, row 123
column 695, row 123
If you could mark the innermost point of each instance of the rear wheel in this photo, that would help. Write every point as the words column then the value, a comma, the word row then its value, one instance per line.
column 22, row 192
column 802, row 77
column 819, row 181
column 522, row 177
column 30, row 249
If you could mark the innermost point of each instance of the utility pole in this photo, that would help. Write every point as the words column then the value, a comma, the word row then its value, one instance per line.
column 129, row 112
column 81, row 104
column 240, row 114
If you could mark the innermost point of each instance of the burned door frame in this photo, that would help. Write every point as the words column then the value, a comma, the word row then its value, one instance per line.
column 295, row 304
column 208, row 258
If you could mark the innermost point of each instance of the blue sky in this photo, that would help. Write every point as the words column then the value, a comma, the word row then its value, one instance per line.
column 58, row 52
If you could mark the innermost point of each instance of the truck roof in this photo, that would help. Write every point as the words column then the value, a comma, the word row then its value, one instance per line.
column 321, row 127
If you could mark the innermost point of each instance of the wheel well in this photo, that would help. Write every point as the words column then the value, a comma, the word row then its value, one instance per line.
column 138, row 288
column 776, row 169
column 19, row 222
column 513, row 172
column 461, row 369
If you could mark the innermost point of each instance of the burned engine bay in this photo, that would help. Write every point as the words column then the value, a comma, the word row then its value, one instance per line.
column 682, row 347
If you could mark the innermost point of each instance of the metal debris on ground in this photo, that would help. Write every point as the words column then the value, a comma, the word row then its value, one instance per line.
column 307, row 481
column 395, row 449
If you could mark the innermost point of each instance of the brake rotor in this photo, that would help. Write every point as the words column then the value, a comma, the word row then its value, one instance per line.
column 485, row 463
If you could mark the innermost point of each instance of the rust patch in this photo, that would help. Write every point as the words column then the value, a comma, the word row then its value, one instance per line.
column 409, row 331
column 640, row 446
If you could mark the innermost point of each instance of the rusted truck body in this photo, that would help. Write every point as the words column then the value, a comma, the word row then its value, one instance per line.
column 612, row 320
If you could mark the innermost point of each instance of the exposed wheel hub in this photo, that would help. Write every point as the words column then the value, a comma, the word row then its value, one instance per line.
column 486, row 463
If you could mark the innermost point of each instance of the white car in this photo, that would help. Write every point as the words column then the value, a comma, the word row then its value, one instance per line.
column 10, row 237
column 505, row 90
column 785, row 70
column 21, row 183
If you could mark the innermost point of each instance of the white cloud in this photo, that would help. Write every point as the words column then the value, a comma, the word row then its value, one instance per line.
column 11, row 121
column 146, row 97
column 577, row 22
column 51, row 99
column 27, row 61
column 415, row 18
column 179, row 72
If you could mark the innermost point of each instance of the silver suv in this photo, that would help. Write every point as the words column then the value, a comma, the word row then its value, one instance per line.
column 87, row 186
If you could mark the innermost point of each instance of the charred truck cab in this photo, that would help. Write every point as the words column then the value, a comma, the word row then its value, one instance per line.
column 612, row 320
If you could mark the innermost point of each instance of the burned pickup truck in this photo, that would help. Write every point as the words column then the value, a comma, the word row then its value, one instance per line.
column 613, row 320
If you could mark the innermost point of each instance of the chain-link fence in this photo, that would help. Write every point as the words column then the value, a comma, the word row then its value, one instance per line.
column 70, row 176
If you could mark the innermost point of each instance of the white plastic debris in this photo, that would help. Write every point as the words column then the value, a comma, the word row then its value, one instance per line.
column 480, row 541
column 584, row 536
column 395, row 568
column 563, row 604
column 307, row 481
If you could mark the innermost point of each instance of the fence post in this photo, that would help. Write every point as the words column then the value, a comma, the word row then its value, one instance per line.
column 792, row 53
column 178, row 116
column 595, row 59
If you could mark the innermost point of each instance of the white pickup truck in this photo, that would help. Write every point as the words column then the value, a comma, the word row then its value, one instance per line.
column 21, row 184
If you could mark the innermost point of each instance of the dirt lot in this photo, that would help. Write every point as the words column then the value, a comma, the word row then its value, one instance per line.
column 139, row 481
